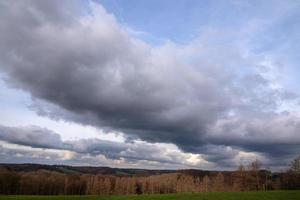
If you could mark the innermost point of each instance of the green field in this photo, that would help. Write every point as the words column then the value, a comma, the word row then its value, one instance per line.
column 274, row 195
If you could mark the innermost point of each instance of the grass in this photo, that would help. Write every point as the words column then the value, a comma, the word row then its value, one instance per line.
column 274, row 195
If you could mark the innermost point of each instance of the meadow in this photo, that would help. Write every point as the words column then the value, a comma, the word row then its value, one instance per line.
column 272, row 195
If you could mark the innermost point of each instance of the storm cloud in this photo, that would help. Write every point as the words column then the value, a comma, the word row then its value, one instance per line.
column 34, row 137
column 200, row 96
column 31, row 136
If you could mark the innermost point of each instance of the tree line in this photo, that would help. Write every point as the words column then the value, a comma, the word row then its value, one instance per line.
column 245, row 178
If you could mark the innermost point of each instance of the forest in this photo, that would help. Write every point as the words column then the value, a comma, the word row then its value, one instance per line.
column 245, row 178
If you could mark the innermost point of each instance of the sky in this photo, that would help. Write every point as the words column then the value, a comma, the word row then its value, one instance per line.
column 150, row 84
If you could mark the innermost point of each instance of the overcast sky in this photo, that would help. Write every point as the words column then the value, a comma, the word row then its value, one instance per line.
column 150, row 84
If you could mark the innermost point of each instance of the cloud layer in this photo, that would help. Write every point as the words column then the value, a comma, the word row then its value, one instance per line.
column 201, row 96
column 33, row 137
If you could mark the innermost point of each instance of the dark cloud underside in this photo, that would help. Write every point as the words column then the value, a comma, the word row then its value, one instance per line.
column 94, row 72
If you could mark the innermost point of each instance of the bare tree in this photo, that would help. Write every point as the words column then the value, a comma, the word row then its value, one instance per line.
column 218, row 183
column 253, row 176
column 291, row 179
column 205, row 183
column 239, row 179
column 295, row 165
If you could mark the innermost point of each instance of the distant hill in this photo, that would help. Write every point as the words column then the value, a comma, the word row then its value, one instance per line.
column 66, row 169
column 83, row 169
column 28, row 167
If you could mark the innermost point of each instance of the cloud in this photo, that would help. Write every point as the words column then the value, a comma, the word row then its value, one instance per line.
column 51, row 143
column 86, row 68
column 122, row 83
column 31, row 136
column 37, row 137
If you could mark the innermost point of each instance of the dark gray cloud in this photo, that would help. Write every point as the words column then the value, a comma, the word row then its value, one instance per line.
column 93, row 72
column 31, row 136
column 37, row 137
column 94, row 68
